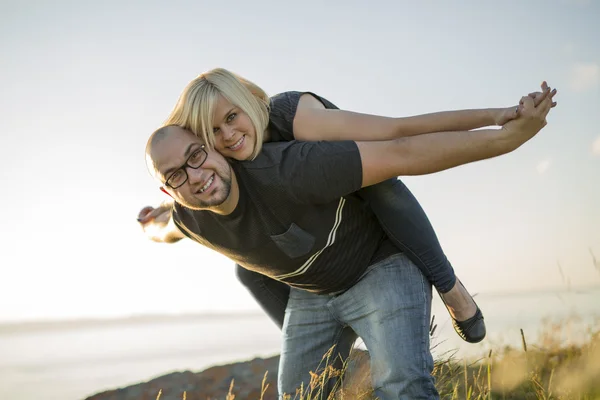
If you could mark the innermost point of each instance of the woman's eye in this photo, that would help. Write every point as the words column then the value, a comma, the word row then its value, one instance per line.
column 216, row 130
column 231, row 117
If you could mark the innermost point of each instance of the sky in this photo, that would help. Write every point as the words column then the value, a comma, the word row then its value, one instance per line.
column 84, row 83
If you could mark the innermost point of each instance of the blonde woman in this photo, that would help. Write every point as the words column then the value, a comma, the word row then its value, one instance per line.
column 235, row 117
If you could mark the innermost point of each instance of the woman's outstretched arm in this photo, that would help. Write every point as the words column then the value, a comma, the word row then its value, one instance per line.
column 314, row 122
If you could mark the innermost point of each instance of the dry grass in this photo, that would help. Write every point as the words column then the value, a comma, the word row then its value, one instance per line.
column 548, row 370
column 553, row 369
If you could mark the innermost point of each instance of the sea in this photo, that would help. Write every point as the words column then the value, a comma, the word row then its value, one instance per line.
column 71, row 360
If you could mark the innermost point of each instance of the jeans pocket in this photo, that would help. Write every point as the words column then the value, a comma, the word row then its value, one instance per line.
column 295, row 242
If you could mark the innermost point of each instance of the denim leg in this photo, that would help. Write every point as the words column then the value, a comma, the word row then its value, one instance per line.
column 407, row 225
column 272, row 295
column 390, row 309
column 309, row 332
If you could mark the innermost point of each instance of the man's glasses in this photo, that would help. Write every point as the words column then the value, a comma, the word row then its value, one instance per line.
column 194, row 161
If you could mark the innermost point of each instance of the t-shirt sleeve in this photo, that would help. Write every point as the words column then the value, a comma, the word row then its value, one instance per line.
column 178, row 215
column 314, row 172
column 283, row 112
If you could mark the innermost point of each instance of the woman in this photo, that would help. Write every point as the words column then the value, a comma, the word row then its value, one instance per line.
column 210, row 107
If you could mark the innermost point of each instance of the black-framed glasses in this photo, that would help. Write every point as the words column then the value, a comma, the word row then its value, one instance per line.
column 194, row 161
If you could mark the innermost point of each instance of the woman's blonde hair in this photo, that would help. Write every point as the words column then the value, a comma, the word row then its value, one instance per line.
column 196, row 105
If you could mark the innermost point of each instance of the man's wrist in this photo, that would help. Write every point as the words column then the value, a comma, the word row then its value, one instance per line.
column 166, row 204
column 507, row 138
column 493, row 116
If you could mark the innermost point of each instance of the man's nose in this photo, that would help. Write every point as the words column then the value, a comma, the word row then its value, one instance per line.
column 194, row 174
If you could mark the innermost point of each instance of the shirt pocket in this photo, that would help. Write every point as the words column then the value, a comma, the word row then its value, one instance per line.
column 295, row 242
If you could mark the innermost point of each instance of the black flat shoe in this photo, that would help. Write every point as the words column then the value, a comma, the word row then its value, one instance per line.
column 471, row 330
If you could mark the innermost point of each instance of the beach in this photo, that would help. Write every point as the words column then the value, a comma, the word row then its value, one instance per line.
column 75, row 359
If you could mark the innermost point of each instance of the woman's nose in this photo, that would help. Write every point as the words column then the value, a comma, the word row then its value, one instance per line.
column 228, row 132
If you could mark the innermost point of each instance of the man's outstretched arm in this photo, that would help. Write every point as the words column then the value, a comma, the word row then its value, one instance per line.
column 159, row 225
column 434, row 152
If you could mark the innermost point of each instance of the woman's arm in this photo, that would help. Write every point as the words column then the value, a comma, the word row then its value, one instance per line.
column 314, row 122
column 336, row 168
column 434, row 152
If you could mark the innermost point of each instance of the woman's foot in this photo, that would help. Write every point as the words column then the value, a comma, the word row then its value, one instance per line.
column 467, row 318
column 459, row 302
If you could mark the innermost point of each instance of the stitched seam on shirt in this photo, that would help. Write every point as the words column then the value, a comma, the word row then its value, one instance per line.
column 330, row 242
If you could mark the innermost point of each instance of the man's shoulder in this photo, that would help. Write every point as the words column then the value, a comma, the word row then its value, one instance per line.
column 309, row 170
column 281, row 156
column 271, row 155
column 186, row 221
column 275, row 153
column 182, row 215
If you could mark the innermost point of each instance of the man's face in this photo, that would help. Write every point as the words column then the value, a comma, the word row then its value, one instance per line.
column 207, row 186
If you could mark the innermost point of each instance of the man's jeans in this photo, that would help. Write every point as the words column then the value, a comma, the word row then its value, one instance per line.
column 389, row 308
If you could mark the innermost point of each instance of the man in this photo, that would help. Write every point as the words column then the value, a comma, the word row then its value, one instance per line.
column 290, row 214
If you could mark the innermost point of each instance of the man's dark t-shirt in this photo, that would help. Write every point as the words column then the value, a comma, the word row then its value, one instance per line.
column 296, row 220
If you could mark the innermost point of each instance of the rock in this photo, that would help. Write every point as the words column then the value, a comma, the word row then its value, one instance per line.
column 214, row 383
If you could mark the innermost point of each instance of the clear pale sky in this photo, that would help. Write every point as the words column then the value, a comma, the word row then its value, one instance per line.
column 83, row 84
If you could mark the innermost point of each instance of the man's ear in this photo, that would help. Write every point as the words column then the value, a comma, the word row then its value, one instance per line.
column 162, row 189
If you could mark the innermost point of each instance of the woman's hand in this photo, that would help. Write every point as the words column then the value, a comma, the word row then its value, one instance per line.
column 503, row 115
column 532, row 112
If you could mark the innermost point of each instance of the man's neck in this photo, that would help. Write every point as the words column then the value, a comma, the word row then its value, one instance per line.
column 231, row 202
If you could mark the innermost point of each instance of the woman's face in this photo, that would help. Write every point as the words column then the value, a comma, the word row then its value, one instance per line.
column 235, row 136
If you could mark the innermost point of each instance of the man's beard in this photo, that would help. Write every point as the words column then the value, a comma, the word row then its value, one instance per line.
column 218, row 197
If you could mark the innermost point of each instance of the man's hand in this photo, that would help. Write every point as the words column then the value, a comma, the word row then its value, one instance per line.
column 531, row 119
column 159, row 215
column 157, row 224
column 503, row 115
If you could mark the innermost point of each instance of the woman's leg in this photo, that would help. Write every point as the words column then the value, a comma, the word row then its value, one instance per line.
column 407, row 225
column 272, row 295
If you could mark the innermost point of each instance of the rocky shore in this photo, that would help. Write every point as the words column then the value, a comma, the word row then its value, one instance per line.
column 214, row 383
